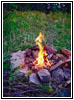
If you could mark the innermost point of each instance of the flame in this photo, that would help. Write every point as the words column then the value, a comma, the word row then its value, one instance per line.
column 40, row 60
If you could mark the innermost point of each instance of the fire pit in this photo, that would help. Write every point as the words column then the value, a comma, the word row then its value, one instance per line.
column 42, row 64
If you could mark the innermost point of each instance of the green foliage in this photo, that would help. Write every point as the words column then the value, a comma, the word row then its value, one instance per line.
column 10, row 78
column 13, row 74
column 44, row 87
column 6, row 63
column 25, row 47
column 12, row 69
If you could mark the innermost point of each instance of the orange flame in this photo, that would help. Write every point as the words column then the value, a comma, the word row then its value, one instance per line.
column 40, row 61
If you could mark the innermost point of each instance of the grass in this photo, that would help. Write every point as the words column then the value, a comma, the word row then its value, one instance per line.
column 21, row 28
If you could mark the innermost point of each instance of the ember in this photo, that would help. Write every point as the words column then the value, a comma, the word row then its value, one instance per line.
column 42, row 59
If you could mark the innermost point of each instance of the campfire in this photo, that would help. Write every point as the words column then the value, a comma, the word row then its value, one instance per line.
column 42, row 59
column 44, row 62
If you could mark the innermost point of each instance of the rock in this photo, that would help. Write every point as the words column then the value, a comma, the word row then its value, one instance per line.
column 58, row 75
column 66, row 92
column 22, row 74
column 67, row 73
column 17, row 58
column 44, row 75
column 34, row 79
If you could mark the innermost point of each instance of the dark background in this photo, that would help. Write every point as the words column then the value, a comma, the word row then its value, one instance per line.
column 43, row 7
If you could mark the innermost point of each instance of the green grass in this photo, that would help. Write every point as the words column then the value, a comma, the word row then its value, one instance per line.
column 21, row 28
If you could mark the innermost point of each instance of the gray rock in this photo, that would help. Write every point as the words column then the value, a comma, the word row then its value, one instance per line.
column 21, row 73
column 17, row 58
column 44, row 75
column 34, row 79
column 58, row 75
column 67, row 73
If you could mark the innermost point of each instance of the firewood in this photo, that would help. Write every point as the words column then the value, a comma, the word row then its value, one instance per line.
column 35, row 47
column 68, row 61
column 62, row 57
column 48, row 48
column 59, row 64
column 28, row 52
column 65, row 52
column 50, row 56
column 35, row 53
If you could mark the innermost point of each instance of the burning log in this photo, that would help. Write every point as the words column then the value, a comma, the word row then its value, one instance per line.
column 41, row 60
column 48, row 48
